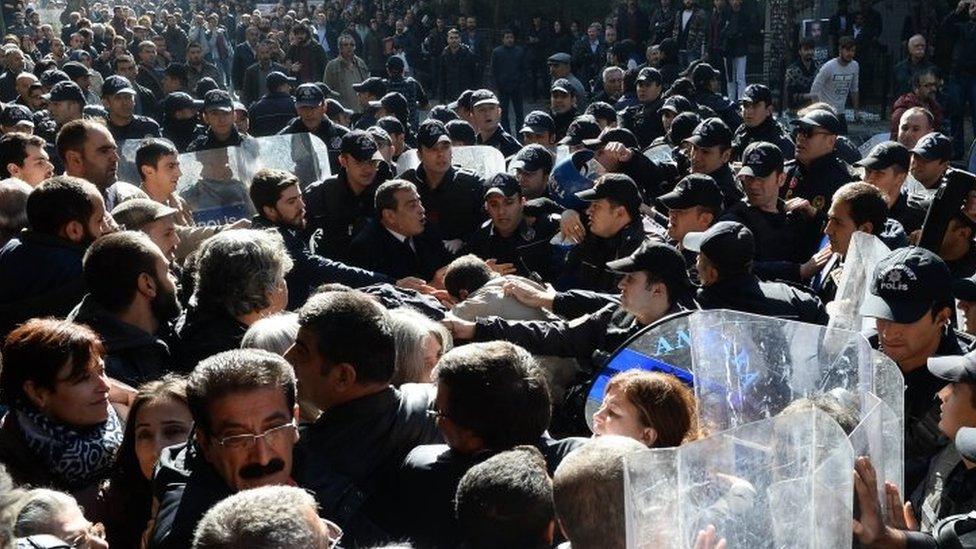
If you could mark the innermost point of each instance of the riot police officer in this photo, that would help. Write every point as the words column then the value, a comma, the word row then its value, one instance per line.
column 643, row 119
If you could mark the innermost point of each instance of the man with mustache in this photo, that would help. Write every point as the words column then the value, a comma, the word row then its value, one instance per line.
column 245, row 415
column 131, row 303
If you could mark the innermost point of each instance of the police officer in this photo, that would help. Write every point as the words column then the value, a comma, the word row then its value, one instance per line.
column 604, row 113
column 816, row 172
column 617, row 150
column 408, row 87
column 560, row 68
column 508, row 237
column 563, row 106
column 758, row 123
column 65, row 103
column 487, row 113
column 582, row 128
column 274, row 109
column 886, row 167
column 672, row 107
column 16, row 118
column 462, row 134
column 339, row 207
column 539, row 128
column 711, row 149
column 911, row 300
column 218, row 115
column 371, row 89
column 785, row 241
column 310, row 104
column 643, row 119
column 692, row 206
column 930, row 160
column 181, row 117
column 453, row 197
column 532, row 166
column 395, row 105
column 119, row 98
column 616, row 229
column 725, row 257
column 706, row 80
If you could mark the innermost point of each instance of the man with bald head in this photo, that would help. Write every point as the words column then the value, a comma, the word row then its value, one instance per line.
column 915, row 123
column 917, row 60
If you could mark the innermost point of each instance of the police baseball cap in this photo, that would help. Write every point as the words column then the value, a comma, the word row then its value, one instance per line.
column 442, row 113
column 275, row 79
column 373, row 85
column 115, row 85
column 51, row 77
column 617, row 187
column 334, row 108
column 757, row 93
column 564, row 86
column 391, row 124
column 75, row 70
column 677, row 104
column 395, row 62
column 66, row 91
column 531, row 158
column 649, row 74
column 538, row 122
column 218, row 100
column 959, row 368
column 432, row 132
column 693, row 190
column 819, row 118
column 175, row 101
column 463, row 101
column 136, row 213
column 761, row 159
column 703, row 72
column 483, row 97
column 379, row 134
column 14, row 114
column 204, row 86
column 662, row 260
column 360, row 146
column 461, row 131
column 504, row 184
column 964, row 288
column 683, row 125
column 559, row 59
column 580, row 129
column 309, row 95
column 612, row 135
column 906, row 284
column 934, row 146
column 729, row 245
column 966, row 442
column 393, row 102
column 601, row 110
column 884, row 155
column 712, row 132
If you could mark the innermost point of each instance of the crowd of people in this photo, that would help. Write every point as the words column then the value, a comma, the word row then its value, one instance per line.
column 397, row 354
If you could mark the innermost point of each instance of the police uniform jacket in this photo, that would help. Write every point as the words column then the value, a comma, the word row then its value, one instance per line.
column 330, row 134
column 455, row 209
column 586, row 262
column 271, row 113
column 644, row 121
column 562, row 121
column 746, row 293
column 503, row 141
column 528, row 248
column 138, row 128
column 336, row 214
column 769, row 131
column 783, row 240
column 727, row 183
column 207, row 141
column 817, row 182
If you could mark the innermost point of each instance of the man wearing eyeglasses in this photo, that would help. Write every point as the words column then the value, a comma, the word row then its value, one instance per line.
column 925, row 86
column 245, row 416
column 816, row 172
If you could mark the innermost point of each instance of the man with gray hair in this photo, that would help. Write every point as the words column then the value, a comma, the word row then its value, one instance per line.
column 270, row 517
column 13, row 208
column 239, row 278
column 588, row 492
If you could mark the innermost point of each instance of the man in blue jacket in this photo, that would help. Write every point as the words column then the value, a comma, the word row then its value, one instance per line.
column 276, row 108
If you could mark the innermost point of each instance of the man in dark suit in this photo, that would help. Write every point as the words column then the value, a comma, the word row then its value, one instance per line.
column 245, row 55
column 394, row 243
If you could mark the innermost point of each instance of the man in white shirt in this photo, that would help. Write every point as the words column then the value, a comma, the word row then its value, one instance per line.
column 838, row 79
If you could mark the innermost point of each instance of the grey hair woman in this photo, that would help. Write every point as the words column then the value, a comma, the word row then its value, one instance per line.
column 420, row 343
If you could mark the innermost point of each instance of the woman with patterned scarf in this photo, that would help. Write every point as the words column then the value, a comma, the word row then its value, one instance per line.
column 61, row 430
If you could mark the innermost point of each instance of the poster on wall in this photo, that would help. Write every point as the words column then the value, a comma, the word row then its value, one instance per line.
column 817, row 30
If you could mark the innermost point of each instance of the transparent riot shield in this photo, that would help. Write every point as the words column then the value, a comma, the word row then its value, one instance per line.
column 660, row 153
column 780, row 482
column 215, row 182
column 863, row 254
column 483, row 160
